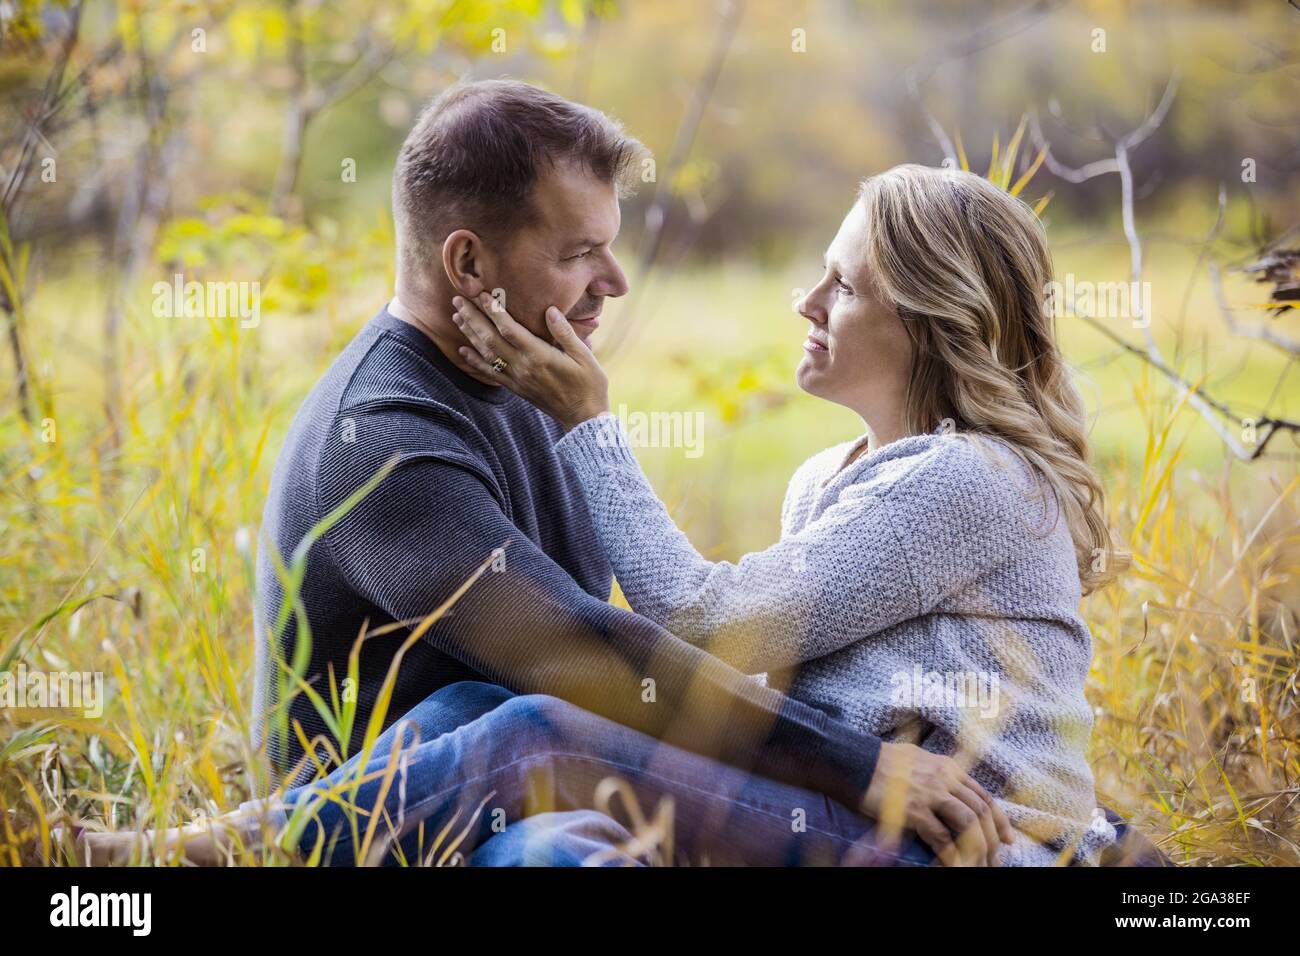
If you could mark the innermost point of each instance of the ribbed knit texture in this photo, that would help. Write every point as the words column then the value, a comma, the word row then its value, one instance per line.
column 477, row 471
column 934, row 557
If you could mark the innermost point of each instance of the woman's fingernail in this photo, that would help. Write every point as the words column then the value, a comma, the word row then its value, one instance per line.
column 457, row 301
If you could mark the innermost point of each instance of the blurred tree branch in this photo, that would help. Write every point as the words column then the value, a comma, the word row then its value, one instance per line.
column 1212, row 410
column 1261, row 332
column 51, row 98
column 657, row 214
column 307, row 100
column 989, row 36
column 139, row 215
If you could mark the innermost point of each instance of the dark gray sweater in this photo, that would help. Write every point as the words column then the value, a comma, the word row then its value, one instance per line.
column 477, row 471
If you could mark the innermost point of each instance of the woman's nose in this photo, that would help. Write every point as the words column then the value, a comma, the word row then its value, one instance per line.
column 807, row 307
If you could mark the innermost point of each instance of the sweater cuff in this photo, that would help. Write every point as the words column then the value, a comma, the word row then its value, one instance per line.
column 599, row 443
column 848, row 760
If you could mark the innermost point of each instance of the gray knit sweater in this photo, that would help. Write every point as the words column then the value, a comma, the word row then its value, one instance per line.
column 926, row 593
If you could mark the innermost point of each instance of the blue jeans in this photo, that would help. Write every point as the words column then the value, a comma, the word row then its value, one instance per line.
column 563, row 838
column 473, row 765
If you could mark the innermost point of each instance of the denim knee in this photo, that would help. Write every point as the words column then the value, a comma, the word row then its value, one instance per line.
column 447, row 708
column 571, row 838
column 542, row 721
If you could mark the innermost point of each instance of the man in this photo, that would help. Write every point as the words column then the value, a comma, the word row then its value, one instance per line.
column 505, row 190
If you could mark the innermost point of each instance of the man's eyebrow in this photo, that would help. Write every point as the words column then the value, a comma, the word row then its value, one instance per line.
column 585, row 244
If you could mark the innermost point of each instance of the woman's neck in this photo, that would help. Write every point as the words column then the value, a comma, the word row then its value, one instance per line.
column 887, row 429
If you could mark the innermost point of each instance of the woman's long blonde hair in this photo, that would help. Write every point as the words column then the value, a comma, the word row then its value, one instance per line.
column 967, row 267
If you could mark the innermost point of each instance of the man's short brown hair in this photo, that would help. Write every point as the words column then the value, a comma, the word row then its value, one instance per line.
column 475, row 153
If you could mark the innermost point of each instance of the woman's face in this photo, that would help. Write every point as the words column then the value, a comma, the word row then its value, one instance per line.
column 858, row 353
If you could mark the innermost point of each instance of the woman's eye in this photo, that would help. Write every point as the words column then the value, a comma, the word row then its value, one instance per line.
column 842, row 288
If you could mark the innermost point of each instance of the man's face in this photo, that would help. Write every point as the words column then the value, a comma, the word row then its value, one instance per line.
column 564, row 258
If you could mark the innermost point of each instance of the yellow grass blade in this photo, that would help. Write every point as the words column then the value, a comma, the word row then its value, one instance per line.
column 1028, row 174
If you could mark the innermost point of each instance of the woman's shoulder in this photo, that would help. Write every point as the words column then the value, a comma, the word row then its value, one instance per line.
column 821, row 465
column 965, row 469
column 962, row 501
column 962, row 467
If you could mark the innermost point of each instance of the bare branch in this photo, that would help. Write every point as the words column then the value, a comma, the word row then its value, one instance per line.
column 1156, row 116
column 1124, row 144
column 657, row 214
column 361, row 71
column 1259, row 333
column 990, row 36
column 53, row 86
column 1070, row 174
column 307, row 101
column 1212, row 410
column 1267, row 424
column 936, row 128
column 9, row 201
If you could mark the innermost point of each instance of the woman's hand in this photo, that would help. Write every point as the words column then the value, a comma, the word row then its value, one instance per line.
column 564, row 380
column 930, row 794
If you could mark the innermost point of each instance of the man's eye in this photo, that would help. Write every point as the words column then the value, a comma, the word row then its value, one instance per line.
column 580, row 256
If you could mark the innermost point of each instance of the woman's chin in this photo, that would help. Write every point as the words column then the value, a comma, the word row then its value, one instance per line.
column 809, row 378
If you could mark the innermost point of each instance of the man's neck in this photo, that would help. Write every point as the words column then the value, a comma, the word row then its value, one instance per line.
column 423, row 312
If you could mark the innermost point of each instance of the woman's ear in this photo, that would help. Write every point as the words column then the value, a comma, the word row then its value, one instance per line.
column 463, row 256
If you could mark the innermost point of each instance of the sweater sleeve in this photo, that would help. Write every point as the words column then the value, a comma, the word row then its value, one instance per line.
column 529, row 626
column 806, row 596
column 845, row 576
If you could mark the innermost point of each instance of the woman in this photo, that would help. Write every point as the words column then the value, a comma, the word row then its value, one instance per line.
column 924, row 588
column 953, row 539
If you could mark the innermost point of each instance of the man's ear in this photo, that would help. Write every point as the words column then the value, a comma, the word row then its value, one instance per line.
column 463, row 259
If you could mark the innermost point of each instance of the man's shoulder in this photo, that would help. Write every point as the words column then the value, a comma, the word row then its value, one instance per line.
column 381, row 402
column 385, row 369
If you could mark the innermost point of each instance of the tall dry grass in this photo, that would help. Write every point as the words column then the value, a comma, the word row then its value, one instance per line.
column 135, row 559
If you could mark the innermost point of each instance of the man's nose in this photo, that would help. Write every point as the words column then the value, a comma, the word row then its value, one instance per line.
column 611, row 281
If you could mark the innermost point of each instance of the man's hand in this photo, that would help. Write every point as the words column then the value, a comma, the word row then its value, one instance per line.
column 913, row 789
